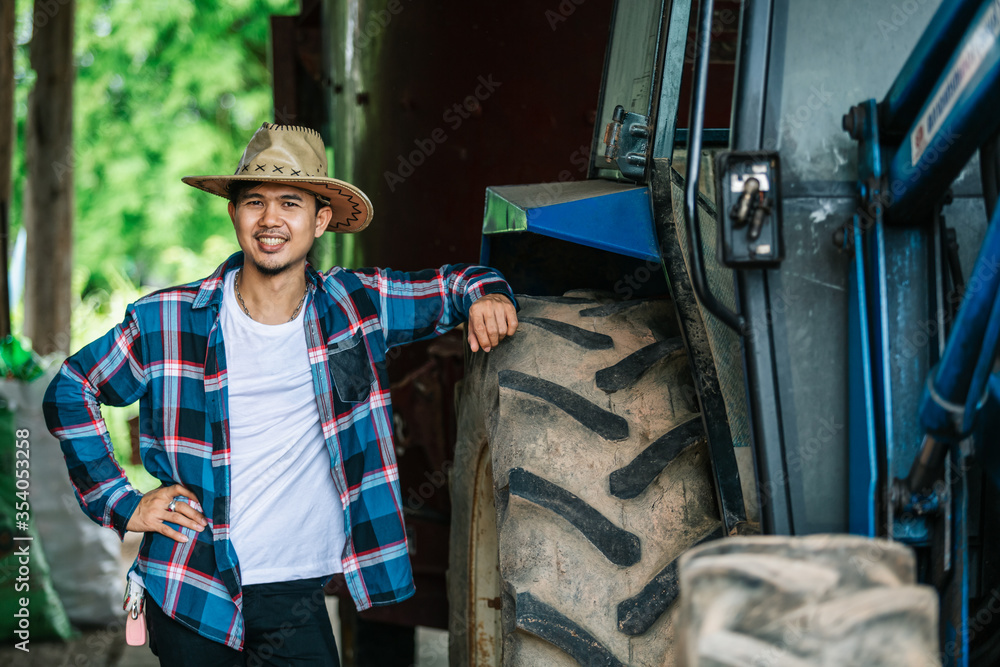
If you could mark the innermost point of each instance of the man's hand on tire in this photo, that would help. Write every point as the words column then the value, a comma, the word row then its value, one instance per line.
column 491, row 319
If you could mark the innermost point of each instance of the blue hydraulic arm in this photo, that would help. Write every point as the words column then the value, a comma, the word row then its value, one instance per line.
column 914, row 83
column 911, row 147
column 959, row 387
column 957, row 117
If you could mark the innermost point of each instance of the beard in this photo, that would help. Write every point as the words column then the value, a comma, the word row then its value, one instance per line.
column 278, row 267
column 269, row 271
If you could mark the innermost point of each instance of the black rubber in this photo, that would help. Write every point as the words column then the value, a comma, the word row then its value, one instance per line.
column 627, row 371
column 590, row 340
column 611, row 308
column 638, row 613
column 619, row 546
column 606, row 424
column 567, row 553
column 543, row 621
column 631, row 480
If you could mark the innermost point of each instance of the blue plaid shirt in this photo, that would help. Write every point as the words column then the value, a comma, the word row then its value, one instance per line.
column 169, row 355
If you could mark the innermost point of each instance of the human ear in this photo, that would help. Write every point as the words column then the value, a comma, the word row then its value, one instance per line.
column 323, row 217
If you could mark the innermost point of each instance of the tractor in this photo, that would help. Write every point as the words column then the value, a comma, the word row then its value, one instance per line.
column 750, row 415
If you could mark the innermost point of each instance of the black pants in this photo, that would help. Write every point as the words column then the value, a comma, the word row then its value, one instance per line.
column 275, row 635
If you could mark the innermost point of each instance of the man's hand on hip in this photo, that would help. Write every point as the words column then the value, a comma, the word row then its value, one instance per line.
column 154, row 510
column 491, row 319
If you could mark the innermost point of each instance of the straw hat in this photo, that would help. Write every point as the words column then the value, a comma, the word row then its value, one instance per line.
column 294, row 156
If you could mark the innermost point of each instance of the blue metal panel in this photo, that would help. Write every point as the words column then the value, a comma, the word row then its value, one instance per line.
column 910, row 280
column 609, row 216
column 956, row 119
column 886, row 288
column 878, row 305
column 621, row 223
column 861, row 419
column 871, row 422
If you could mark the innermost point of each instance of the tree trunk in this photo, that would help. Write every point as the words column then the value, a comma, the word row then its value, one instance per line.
column 6, row 151
column 48, row 201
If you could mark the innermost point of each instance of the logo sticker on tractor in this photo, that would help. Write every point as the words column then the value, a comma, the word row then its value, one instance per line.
column 955, row 82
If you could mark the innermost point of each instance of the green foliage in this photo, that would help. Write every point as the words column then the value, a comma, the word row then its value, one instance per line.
column 165, row 89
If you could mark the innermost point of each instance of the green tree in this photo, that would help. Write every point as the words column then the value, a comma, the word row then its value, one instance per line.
column 165, row 88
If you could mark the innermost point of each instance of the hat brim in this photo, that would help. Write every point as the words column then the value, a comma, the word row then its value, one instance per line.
column 352, row 210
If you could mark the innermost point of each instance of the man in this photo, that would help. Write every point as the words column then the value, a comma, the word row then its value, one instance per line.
column 264, row 411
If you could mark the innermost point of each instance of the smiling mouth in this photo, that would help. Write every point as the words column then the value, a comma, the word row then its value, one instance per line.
column 271, row 241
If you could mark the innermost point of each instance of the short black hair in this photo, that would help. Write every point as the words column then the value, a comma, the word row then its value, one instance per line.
column 236, row 189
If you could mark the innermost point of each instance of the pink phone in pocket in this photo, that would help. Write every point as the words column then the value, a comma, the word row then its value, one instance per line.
column 135, row 622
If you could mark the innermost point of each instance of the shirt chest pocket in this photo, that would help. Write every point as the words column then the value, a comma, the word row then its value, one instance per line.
column 350, row 367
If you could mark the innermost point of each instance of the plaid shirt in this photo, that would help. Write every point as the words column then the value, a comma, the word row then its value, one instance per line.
column 169, row 354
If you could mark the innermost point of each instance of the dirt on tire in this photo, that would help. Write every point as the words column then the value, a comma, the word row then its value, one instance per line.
column 812, row 601
column 601, row 479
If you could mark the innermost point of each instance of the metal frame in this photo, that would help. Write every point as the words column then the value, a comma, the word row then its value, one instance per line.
column 728, row 487
column 729, row 490
column 670, row 87
column 699, row 277
column 863, row 453
column 931, row 154
column 959, row 387
column 915, row 80
column 753, row 287
column 871, row 422
column 894, row 184
column 667, row 11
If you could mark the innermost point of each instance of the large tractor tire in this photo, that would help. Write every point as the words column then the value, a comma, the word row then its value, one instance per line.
column 581, row 475
column 820, row 600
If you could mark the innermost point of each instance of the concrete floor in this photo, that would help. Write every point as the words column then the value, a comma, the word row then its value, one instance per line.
column 106, row 647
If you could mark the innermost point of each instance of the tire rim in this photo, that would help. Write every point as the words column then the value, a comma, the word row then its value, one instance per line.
column 485, row 635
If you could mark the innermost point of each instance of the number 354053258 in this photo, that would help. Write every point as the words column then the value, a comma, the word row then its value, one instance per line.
column 22, row 465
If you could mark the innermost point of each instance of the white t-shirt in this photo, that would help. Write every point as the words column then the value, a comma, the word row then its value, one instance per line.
column 286, row 519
